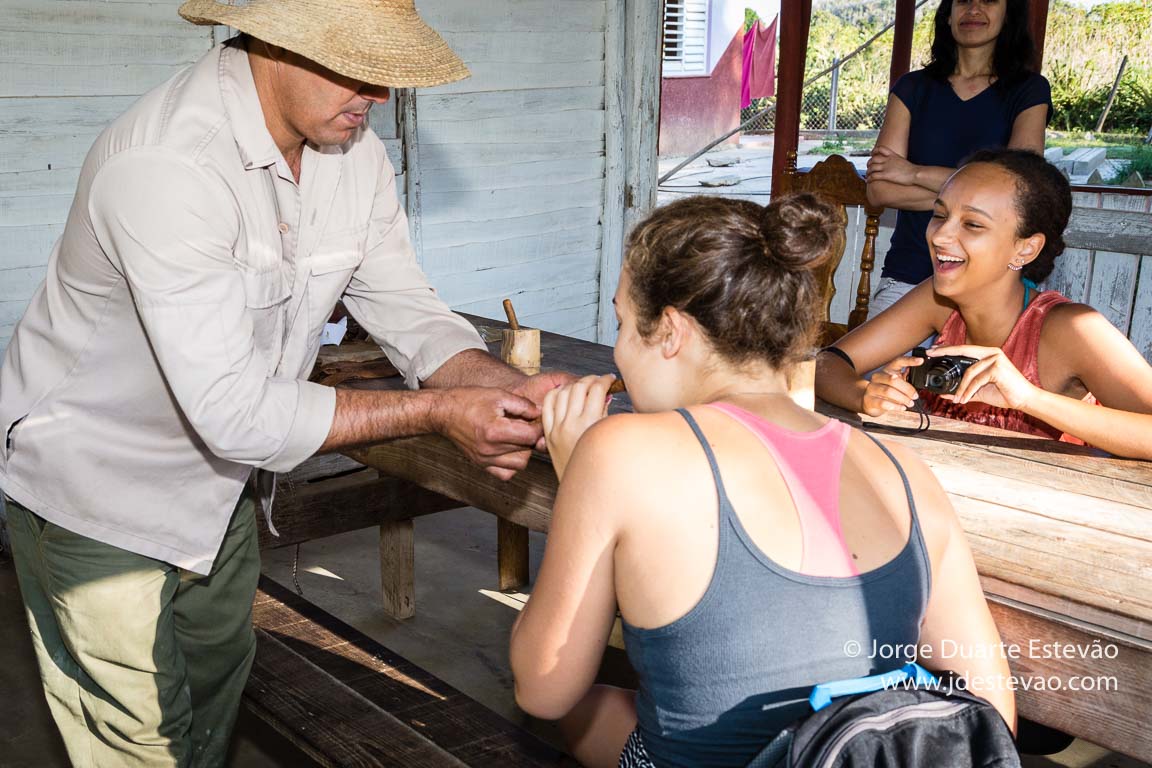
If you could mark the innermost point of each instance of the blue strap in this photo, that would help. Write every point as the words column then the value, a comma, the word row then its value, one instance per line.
column 1029, row 284
column 823, row 694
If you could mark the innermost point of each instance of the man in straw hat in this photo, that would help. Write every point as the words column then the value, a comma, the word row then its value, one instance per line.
column 215, row 226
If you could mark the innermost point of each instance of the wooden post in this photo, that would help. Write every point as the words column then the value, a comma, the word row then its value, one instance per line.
column 1038, row 26
column 511, row 554
column 902, row 40
column 520, row 348
column 795, row 18
column 398, row 568
column 1112, row 94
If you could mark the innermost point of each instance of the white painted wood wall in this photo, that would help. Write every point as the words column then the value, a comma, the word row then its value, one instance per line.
column 521, row 180
column 511, row 161
column 67, row 68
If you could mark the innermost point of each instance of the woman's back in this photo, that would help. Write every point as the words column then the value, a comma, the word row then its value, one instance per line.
column 727, row 647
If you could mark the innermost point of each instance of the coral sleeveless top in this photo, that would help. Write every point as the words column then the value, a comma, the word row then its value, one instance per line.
column 1022, row 348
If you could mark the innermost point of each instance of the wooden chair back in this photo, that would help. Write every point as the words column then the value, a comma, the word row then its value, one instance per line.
column 837, row 180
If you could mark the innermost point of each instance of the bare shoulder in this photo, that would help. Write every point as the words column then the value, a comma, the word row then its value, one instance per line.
column 630, row 445
column 1077, row 332
column 933, row 507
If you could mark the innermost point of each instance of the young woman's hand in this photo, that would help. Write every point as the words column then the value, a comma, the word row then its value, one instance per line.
column 992, row 379
column 569, row 411
column 888, row 390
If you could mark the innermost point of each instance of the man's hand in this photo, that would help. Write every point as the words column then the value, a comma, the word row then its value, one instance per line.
column 494, row 428
column 536, row 387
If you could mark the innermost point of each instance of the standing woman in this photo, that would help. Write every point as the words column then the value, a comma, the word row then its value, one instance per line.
column 977, row 92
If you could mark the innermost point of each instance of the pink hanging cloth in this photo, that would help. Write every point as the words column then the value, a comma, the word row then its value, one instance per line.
column 758, row 76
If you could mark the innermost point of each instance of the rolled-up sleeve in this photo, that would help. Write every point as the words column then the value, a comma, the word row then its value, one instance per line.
column 391, row 298
column 171, row 229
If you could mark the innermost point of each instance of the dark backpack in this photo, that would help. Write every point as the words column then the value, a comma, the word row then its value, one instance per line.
column 896, row 728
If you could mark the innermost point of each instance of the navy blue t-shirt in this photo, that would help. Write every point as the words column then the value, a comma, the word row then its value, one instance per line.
column 944, row 130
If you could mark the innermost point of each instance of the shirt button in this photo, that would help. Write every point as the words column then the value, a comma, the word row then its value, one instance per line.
column 283, row 228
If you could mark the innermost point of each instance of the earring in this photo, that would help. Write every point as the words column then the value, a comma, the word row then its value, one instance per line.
column 1016, row 266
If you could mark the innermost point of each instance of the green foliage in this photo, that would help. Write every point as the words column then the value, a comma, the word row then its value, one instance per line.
column 1083, row 50
column 1140, row 160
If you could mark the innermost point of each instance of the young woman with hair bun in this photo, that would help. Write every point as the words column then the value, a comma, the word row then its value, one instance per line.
column 753, row 548
column 1046, row 365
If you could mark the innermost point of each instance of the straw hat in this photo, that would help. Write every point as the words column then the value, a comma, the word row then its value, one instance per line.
column 381, row 42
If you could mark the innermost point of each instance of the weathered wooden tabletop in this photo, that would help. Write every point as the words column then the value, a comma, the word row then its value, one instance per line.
column 1062, row 537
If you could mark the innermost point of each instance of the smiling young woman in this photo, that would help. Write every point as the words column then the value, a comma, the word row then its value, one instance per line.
column 1045, row 365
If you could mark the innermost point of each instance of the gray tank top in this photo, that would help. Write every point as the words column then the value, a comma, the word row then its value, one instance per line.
column 718, row 683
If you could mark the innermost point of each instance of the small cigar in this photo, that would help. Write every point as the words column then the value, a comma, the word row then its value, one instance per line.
column 617, row 387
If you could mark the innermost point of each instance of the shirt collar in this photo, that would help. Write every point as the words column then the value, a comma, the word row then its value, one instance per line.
column 238, row 89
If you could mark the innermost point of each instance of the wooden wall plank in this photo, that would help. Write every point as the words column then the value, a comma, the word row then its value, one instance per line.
column 451, row 207
column 577, row 321
column 31, row 211
column 616, row 128
column 183, row 46
column 1141, row 327
column 479, row 256
column 11, row 311
column 60, row 116
column 97, row 17
column 1113, row 287
column 574, row 303
column 586, row 125
column 540, row 45
column 459, row 233
column 501, row 282
column 20, row 283
column 27, row 246
column 520, row 175
column 58, row 181
column 1072, row 274
column 579, row 16
column 475, row 155
column 69, row 80
column 1121, row 231
column 465, row 107
column 33, row 153
column 509, row 76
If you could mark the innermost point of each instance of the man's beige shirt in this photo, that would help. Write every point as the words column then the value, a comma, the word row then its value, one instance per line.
column 163, row 357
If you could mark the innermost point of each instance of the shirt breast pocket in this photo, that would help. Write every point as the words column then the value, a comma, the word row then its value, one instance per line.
column 265, row 294
column 330, row 271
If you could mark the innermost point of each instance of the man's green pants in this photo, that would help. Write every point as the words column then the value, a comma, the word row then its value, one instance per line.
column 143, row 663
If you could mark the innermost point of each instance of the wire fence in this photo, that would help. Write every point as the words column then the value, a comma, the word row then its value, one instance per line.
column 851, row 96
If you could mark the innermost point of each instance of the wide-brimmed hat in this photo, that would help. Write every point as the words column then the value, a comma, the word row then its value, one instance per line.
column 381, row 42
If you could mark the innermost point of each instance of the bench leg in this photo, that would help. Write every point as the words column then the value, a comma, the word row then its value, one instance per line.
column 512, row 554
column 398, row 568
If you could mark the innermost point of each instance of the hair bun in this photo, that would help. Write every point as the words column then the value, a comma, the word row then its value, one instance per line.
column 801, row 230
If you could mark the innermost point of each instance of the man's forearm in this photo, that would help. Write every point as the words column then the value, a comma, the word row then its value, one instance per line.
column 367, row 416
column 475, row 368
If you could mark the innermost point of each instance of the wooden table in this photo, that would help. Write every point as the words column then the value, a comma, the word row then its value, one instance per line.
column 1062, row 537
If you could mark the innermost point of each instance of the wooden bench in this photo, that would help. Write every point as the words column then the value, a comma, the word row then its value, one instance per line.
column 345, row 700
column 334, row 494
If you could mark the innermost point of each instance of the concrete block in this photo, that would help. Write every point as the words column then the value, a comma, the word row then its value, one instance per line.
column 1054, row 154
column 1086, row 159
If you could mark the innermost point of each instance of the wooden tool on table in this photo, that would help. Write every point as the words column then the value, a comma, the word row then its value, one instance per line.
column 520, row 347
